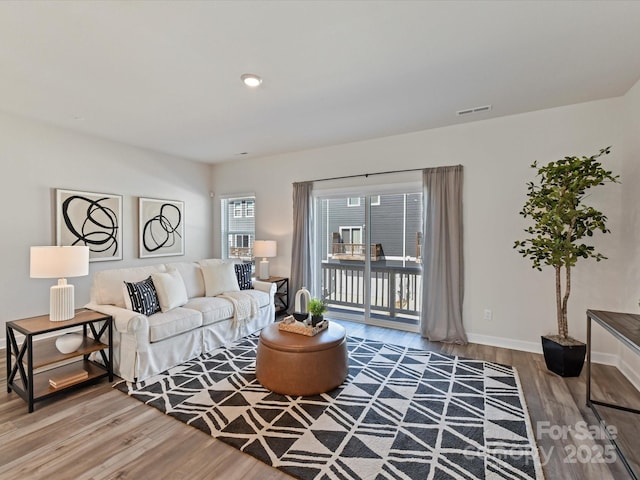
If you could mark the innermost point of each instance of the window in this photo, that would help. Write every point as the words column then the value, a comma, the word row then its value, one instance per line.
column 244, row 208
column 375, row 200
column 351, row 234
column 242, row 241
column 353, row 202
column 250, row 209
column 238, row 227
column 237, row 209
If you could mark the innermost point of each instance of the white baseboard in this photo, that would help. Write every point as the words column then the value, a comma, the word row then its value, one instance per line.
column 629, row 372
column 605, row 358
column 533, row 347
column 536, row 347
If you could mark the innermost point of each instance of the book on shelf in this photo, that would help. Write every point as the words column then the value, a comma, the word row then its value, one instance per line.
column 60, row 381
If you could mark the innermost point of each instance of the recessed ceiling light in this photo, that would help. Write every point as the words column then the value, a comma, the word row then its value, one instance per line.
column 251, row 80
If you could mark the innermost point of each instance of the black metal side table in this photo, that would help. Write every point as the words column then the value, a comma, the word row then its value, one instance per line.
column 26, row 373
column 281, row 298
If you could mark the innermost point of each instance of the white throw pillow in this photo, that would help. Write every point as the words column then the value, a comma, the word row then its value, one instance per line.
column 171, row 290
column 211, row 261
column 127, row 299
column 219, row 278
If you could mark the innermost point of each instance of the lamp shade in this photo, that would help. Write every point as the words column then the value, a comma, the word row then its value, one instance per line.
column 264, row 248
column 59, row 262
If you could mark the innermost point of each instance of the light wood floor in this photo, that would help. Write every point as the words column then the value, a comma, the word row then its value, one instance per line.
column 97, row 432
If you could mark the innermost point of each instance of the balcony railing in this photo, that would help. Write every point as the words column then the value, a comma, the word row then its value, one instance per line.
column 395, row 290
column 355, row 251
column 245, row 253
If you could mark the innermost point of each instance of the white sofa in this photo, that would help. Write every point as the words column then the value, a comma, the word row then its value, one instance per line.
column 146, row 345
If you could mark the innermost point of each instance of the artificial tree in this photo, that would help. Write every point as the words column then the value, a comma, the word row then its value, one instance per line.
column 561, row 220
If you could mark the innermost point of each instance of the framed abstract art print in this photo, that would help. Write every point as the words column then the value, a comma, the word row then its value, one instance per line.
column 161, row 227
column 90, row 219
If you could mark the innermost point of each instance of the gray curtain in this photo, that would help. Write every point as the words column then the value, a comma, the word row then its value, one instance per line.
column 443, row 262
column 301, row 242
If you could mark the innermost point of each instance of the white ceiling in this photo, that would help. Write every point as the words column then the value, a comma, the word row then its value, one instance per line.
column 166, row 75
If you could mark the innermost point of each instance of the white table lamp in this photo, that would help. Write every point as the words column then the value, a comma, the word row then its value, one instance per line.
column 264, row 249
column 60, row 263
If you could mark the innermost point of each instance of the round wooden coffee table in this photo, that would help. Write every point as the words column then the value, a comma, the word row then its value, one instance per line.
column 294, row 364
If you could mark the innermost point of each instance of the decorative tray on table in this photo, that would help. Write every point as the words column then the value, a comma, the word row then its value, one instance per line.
column 290, row 324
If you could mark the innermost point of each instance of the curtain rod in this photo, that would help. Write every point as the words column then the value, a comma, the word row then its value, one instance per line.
column 367, row 174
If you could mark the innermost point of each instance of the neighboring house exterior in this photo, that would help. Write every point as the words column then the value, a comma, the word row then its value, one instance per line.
column 395, row 283
column 395, row 224
column 238, row 218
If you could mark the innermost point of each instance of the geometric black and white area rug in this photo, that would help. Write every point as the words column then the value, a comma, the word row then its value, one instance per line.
column 402, row 413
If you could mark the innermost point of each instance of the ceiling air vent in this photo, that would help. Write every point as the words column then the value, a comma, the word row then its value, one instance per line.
column 468, row 111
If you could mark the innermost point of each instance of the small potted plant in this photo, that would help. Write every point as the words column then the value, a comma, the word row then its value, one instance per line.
column 561, row 221
column 317, row 308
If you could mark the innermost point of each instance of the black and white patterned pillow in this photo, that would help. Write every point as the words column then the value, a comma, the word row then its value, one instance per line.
column 143, row 295
column 243, row 274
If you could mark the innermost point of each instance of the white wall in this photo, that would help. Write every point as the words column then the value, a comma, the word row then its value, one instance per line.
column 36, row 159
column 496, row 155
column 631, row 198
column 630, row 281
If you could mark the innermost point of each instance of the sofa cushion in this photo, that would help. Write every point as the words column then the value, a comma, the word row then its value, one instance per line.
column 107, row 284
column 213, row 309
column 192, row 277
column 243, row 274
column 261, row 297
column 170, row 288
column 142, row 297
column 219, row 278
column 174, row 322
column 212, row 261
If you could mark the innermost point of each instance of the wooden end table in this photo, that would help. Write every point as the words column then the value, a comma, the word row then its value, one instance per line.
column 31, row 365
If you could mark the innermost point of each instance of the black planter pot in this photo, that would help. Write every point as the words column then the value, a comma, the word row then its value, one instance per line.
column 316, row 319
column 565, row 360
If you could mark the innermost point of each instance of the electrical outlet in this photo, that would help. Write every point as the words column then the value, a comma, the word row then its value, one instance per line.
column 488, row 315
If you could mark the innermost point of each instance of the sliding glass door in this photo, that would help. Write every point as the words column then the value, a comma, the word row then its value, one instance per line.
column 341, row 230
column 396, row 270
column 368, row 265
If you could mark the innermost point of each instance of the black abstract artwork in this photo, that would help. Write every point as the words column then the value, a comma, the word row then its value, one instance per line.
column 161, row 228
column 90, row 219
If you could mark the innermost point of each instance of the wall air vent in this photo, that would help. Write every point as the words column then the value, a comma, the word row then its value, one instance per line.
column 468, row 111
